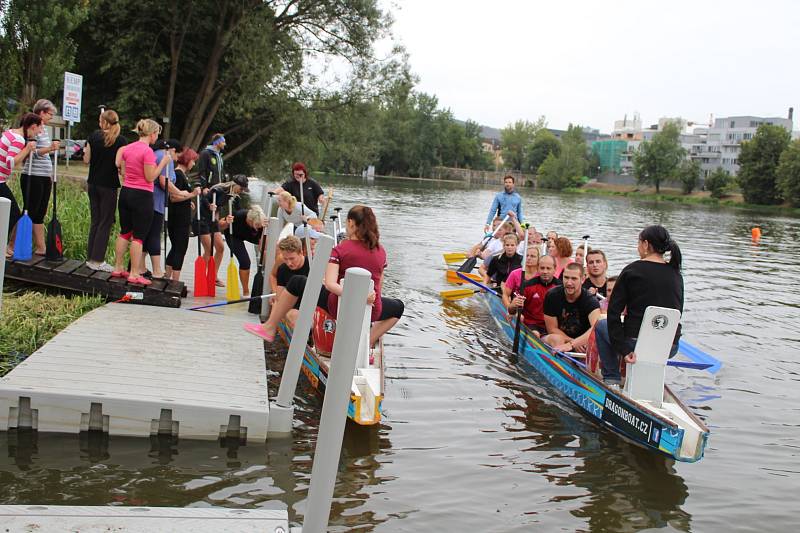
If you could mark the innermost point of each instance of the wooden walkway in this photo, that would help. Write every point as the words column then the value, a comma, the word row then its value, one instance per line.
column 74, row 275
column 141, row 370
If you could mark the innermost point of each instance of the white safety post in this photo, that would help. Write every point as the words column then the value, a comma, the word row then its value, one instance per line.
column 5, row 213
column 281, row 410
column 357, row 284
column 273, row 232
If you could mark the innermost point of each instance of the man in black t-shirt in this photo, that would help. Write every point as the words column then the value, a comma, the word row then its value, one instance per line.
column 596, row 267
column 570, row 312
column 313, row 195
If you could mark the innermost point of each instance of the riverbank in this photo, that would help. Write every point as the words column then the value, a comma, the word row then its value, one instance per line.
column 704, row 198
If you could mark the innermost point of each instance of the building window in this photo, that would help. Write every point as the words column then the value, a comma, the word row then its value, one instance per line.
column 733, row 124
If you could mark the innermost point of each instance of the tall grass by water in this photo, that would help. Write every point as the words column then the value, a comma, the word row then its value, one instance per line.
column 73, row 213
column 31, row 318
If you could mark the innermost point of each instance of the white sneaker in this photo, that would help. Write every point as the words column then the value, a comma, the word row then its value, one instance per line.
column 100, row 267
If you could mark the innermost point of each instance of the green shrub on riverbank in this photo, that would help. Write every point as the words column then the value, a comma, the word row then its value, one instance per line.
column 30, row 319
column 73, row 213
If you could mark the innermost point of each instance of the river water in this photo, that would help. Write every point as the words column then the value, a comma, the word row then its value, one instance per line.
column 471, row 441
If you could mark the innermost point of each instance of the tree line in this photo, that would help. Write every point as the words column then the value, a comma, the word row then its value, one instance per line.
column 769, row 166
column 243, row 68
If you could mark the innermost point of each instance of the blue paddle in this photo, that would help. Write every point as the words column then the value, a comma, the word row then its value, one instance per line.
column 23, row 242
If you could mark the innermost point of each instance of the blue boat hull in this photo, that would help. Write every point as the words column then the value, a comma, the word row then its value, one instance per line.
column 595, row 400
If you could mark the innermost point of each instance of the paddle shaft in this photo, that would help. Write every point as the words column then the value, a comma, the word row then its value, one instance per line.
column 518, row 325
column 239, row 301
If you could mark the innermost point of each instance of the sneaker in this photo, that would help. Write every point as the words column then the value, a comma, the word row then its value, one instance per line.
column 100, row 267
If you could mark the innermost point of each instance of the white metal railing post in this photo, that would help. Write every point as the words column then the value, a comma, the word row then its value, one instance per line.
column 357, row 284
column 273, row 232
column 281, row 410
column 5, row 213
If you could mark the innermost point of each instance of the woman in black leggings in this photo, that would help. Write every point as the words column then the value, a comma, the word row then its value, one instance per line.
column 245, row 225
column 180, row 213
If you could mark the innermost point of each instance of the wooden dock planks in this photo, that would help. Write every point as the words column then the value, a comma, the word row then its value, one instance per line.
column 74, row 275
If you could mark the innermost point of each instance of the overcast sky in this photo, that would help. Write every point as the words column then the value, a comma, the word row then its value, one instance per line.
column 591, row 62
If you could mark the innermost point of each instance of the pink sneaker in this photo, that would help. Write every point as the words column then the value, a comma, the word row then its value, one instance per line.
column 258, row 331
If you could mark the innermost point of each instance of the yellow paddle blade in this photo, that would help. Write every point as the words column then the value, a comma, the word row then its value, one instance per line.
column 457, row 294
column 452, row 277
column 232, row 288
column 455, row 257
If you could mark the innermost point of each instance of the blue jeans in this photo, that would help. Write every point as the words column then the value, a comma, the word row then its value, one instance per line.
column 609, row 359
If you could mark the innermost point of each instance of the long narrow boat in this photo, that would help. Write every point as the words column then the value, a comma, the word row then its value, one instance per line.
column 671, row 429
column 366, row 393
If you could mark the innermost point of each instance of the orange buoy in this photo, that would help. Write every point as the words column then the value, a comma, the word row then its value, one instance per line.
column 756, row 233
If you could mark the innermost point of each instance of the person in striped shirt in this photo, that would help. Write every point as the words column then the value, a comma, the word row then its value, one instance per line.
column 13, row 151
column 38, row 183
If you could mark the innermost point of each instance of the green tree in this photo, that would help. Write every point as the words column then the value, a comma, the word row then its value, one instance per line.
column 758, row 163
column 658, row 160
column 568, row 168
column 516, row 140
column 718, row 182
column 36, row 47
column 789, row 173
column 544, row 144
column 688, row 174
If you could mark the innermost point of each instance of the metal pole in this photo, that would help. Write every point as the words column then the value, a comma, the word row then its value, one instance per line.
column 281, row 411
column 66, row 148
column 273, row 232
column 357, row 284
column 5, row 213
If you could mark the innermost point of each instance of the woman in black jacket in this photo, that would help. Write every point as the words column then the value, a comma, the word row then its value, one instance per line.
column 650, row 281
column 180, row 213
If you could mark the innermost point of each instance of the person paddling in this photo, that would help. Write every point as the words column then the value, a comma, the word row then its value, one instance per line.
column 531, row 296
column 506, row 202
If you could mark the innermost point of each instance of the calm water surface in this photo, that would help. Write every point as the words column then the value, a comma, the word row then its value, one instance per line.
column 472, row 442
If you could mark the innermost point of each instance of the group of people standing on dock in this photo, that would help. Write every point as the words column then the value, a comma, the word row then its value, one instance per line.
column 568, row 299
column 157, row 185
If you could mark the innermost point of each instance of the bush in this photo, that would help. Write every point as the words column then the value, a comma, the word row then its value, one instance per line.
column 718, row 182
column 689, row 175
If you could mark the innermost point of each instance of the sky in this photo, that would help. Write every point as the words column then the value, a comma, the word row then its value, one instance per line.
column 591, row 63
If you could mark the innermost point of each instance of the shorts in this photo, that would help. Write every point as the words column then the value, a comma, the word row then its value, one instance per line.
column 135, row 213
column 391, row 308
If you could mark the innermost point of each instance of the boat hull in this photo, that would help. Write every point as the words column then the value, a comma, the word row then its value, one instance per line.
column 364, row 410
column 608, row 408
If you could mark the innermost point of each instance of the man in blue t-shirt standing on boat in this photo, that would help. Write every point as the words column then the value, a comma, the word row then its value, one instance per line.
column 506, row 202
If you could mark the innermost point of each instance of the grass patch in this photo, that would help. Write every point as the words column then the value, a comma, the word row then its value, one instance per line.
column 29, row 319
column 75, row 218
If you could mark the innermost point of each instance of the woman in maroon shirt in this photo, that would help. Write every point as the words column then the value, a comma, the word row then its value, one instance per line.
column 362, row 249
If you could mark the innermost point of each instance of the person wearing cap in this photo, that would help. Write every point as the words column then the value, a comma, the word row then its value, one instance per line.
column 243, row 225
column 152, row 244
column 209, row 164
column 312, row 196
column 215, row 211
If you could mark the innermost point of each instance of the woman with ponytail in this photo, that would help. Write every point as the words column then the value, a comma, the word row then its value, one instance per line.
column 362, row 249
column 103, row 184
column 650, row 281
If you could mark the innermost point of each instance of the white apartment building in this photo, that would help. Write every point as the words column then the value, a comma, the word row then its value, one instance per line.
column 713, row 146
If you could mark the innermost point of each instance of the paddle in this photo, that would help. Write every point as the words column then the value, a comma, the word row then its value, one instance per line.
column 200, row 284
column 327, row 204
column 166, row 209
column 54, row 250
column 470, row 263
column 521, row 284
column 258, row 279
column 585, row 250
column 458, row 294
column 23, row 242
column 211, row 267
column 454, row 257
column 239, row 301
column 452, row 276
column 232, row 291
column 305, row 224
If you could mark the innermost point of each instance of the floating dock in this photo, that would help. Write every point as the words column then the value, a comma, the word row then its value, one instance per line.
column 139, row 370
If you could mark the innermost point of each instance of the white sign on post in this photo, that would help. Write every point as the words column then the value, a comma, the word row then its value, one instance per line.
column 73, row 89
